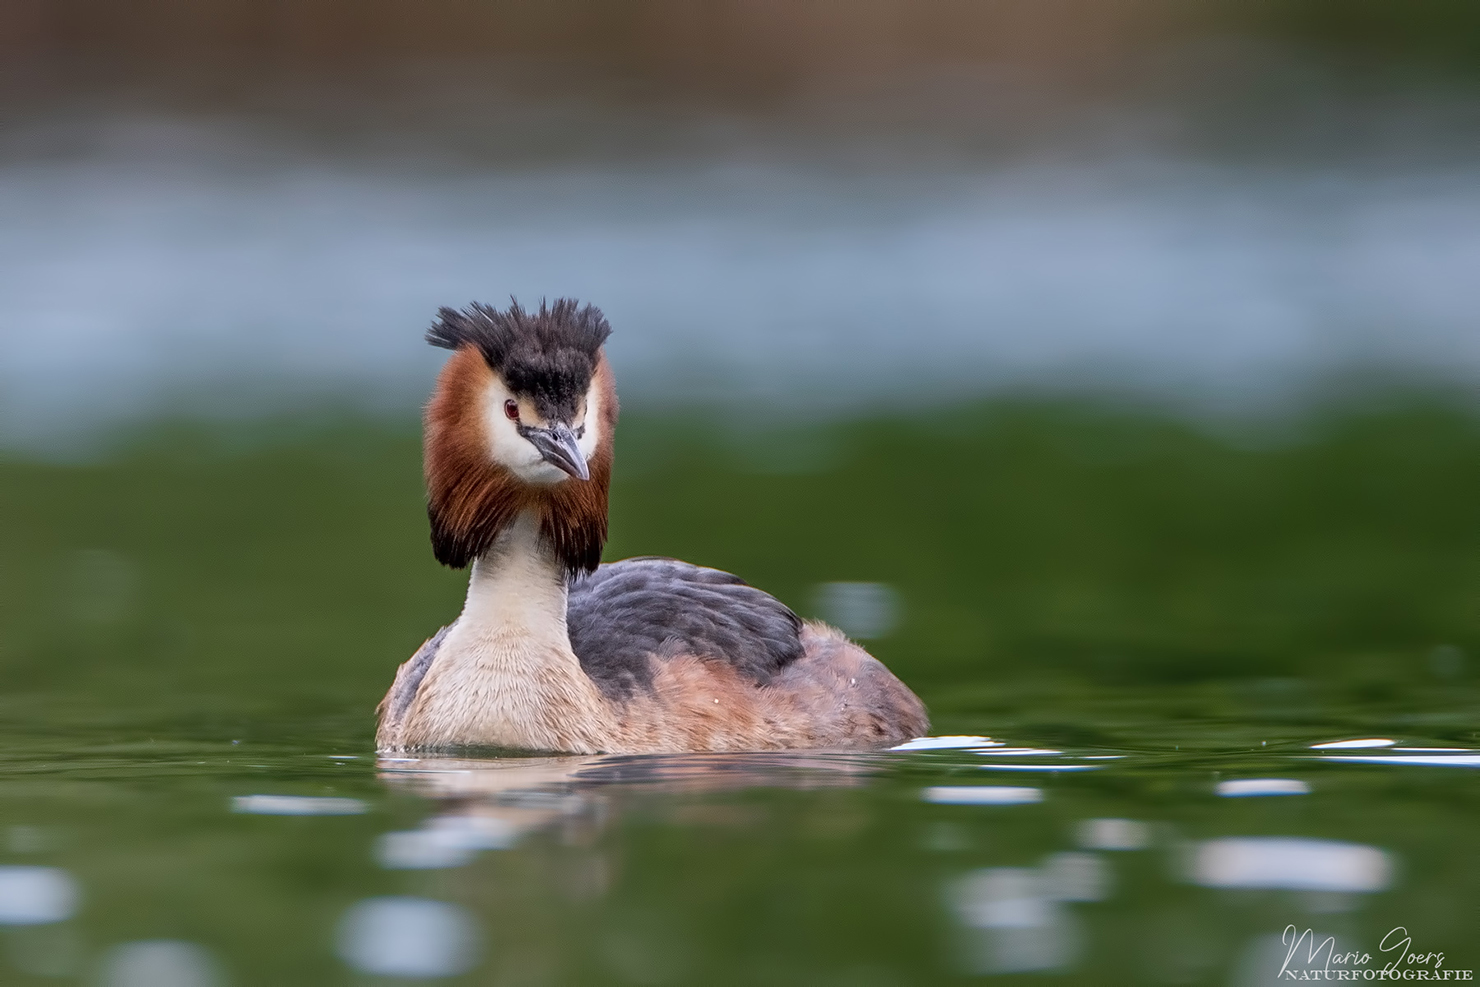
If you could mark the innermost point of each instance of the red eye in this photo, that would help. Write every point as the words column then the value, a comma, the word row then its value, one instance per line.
column 511, row 411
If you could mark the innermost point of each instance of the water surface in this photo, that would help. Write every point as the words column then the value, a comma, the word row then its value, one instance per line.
column 1153, row 863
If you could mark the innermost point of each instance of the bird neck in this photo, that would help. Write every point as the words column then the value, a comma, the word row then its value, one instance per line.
column 518, row 587
column 505, row 674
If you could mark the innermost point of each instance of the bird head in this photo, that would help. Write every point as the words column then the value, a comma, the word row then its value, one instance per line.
column 522, row 418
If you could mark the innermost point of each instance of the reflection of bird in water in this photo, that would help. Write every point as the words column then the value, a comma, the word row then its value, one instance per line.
column 525, row 781
column 553, row 652
column 494, row 802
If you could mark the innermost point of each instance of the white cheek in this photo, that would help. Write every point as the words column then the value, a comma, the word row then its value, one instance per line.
column 589, row 439
column 510, row 449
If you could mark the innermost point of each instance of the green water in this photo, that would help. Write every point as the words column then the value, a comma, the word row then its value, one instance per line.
column 1133, row 611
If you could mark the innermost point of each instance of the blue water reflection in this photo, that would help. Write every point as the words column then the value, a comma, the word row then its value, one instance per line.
column 160, row 963
column 409, row 937
column 1293, row 863
column 296, row 805
column 1258, row 787
column 446, row 841
column 1113, row 834
column 37, row 895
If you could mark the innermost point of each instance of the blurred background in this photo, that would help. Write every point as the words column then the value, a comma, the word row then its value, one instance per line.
column 1094, row 336
column 227, row 208
column 1108, row 366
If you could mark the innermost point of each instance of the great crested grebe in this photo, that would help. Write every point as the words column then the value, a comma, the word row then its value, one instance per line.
column 555, row 652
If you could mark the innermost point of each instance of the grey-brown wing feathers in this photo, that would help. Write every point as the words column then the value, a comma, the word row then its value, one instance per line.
column 625, row 613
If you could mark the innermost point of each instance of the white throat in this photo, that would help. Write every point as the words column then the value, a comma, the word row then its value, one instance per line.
column 518, row 588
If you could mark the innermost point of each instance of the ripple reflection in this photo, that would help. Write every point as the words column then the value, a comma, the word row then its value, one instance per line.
column 1293, row 863
column 36, row 895
column 160, row 963
column 409, row 937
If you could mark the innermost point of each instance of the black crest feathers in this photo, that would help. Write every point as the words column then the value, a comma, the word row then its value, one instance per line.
column 548, row 355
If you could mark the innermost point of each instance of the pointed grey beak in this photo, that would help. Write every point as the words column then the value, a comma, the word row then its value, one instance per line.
column 558, row 446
